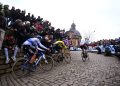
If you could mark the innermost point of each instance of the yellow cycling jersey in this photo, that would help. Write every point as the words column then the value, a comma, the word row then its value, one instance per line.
column 61, row 44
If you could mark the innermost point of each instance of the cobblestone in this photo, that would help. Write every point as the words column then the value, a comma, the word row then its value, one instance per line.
column 97, row 71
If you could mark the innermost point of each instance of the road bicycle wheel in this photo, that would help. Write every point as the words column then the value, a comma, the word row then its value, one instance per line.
column 84, row 56
column 20, row 68
column 67, row 57
column 47, row 66
column 55, row 57
column 67, row 51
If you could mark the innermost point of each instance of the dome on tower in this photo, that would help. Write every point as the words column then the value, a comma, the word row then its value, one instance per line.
column 73, row 29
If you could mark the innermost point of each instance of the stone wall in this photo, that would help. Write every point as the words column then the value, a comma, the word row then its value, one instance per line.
column 5, row 68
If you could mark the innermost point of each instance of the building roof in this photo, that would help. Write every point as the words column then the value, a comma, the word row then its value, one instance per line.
column 73, row 29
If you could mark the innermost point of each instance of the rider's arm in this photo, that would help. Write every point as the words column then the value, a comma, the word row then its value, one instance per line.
column 55, row 42
column 42, row 46
column 63, row 44
column 39, row 49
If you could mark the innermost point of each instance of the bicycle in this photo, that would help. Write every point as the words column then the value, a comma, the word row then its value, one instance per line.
column 63, row 55
column 84, row 55
column 24, row 66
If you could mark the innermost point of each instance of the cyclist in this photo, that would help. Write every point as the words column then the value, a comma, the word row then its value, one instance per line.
column 59, row 46
column 33, row 44
column 83, row 46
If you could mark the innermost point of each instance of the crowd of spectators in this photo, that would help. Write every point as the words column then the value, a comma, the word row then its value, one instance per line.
column 19, row 26
column 108, row 47
column 106, row 42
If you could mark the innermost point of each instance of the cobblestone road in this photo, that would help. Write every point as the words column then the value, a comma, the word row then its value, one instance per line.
column 98, row 71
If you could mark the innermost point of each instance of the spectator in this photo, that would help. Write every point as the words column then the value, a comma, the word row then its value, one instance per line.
column 39, row 19
column 2, row 21
column 9, row 43
column 38, row 26
column 1, row 7
column 22, row 16
column 2, row 28
column 57, row 35
column 19, row 32
column 13, row 15
column 7, row 13
column 33, row 20
column 17, row 14
column 28, row 18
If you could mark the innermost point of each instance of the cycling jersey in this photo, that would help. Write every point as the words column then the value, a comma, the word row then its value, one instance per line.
column 83, row 45
column 60, row 44
column 34, row 43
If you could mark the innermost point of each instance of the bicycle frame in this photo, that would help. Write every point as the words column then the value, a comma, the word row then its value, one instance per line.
column 39, row 59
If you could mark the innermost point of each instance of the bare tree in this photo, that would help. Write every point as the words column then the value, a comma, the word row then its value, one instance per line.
column 88, row 36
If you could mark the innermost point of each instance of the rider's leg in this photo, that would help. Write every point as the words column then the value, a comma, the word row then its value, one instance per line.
column 43, row 55
column 83, row 50
column 25, row 50
column 15, row 53
column 61, row 51
column 40, row 55
column 6, row 55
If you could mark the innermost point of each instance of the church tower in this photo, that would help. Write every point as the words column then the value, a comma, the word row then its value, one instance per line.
column 74, row 35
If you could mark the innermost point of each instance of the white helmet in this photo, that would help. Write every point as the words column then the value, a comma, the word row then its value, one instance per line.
column 39, row 37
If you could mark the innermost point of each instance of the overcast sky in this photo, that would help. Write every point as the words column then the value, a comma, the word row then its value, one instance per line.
column 101, row 16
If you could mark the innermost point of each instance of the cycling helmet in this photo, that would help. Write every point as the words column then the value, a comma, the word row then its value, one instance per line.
column 39, row 37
